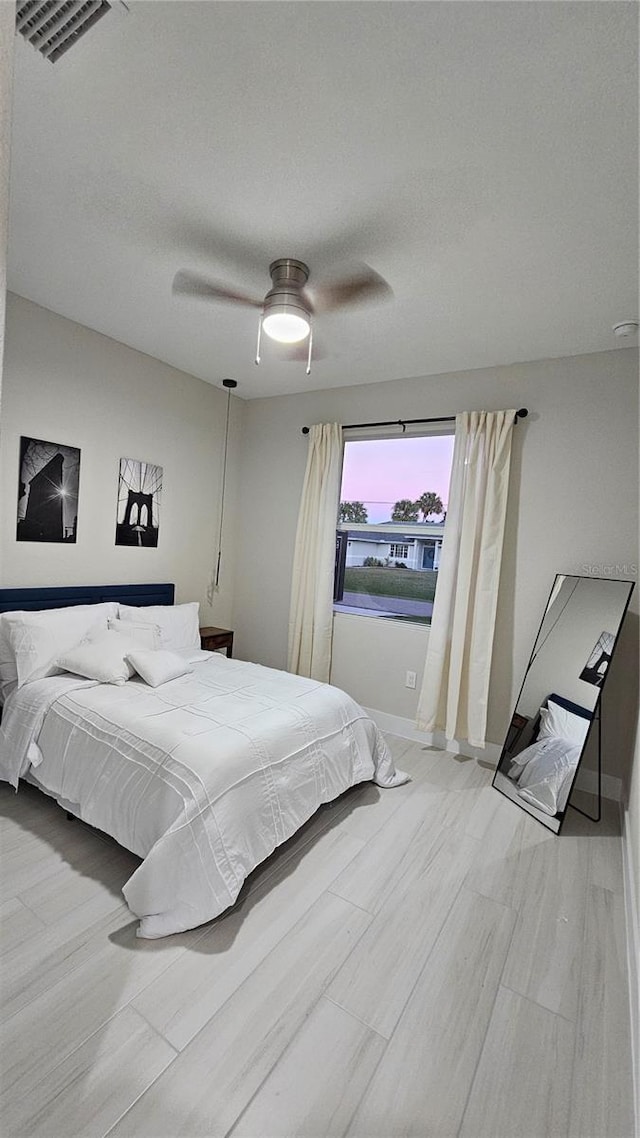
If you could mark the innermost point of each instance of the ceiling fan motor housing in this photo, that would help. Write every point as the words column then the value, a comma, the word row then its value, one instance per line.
column 288, row 277
column 288, row 271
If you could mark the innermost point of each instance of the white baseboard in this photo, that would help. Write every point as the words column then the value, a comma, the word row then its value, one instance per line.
column 406, row 729
column 633, row 957
column 611, row 787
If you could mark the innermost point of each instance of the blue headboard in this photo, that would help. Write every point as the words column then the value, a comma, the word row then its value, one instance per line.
column 573, row 707
column 60, row 597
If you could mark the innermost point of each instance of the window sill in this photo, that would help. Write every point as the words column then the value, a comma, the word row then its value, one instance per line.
column 396, row 619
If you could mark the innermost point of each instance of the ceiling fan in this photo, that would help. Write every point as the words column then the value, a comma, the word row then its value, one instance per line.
column 288, row 307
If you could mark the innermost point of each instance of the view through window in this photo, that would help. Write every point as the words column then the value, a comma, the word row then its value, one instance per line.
column 393, row 505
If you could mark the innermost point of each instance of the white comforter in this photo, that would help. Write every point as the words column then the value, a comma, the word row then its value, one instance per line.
column 544, row 772
column 202, row 777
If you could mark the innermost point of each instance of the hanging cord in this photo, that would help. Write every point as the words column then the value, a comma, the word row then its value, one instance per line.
column 214, row 584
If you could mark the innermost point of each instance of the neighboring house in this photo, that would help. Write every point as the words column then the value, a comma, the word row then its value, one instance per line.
column 416, row 544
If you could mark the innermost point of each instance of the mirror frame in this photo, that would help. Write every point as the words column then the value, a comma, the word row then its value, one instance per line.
column 595, row 715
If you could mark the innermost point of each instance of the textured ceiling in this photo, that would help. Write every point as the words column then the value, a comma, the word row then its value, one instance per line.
column 482, row 157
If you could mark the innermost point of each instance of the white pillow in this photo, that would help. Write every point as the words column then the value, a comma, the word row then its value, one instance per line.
column 179, row 624
column 8, row 670
column 146, row 635
column 158, row 667
column 544, row 773
column 556, row 722
column 103, row 659
column 37, row 639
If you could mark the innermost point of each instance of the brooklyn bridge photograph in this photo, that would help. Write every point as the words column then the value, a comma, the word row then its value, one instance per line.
column 139, row 489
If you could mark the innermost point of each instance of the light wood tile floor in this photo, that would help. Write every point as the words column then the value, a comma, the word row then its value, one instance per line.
column 420, row 962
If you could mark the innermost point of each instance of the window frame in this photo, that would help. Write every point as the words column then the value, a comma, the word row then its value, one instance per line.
column 381, row 435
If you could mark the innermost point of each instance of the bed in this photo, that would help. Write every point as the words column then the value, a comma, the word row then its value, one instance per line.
column 202, row 776
column 544, row 771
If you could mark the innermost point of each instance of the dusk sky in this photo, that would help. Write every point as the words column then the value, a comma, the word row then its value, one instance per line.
column 379, row 472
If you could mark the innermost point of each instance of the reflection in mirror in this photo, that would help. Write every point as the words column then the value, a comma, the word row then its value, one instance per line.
column 560, row 694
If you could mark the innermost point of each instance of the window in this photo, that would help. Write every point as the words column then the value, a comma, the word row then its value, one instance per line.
column 393, row 504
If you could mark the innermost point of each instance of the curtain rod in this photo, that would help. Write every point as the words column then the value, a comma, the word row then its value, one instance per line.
column 520, row 414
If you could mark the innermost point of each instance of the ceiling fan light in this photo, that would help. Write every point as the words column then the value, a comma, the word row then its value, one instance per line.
column 286, row 326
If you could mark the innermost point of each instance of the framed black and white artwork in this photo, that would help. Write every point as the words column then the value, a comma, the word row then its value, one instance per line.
column 598, row 662
column 139, row 491
column 48, row 484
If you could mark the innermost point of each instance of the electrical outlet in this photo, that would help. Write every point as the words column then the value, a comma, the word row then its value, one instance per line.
column 410, row 680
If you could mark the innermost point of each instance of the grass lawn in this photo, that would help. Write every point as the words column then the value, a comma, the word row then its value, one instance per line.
column 418, row 584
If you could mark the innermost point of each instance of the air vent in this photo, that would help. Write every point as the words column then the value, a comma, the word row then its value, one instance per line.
column 53, row 26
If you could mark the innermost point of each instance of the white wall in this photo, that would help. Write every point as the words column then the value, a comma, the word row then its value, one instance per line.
column 67, row 384
column 573, row 502
column 7, row 33
column 371, row 658
column 581, row 613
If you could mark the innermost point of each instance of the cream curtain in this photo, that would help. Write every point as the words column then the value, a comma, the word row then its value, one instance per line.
column 311, row 615
column 456, row 678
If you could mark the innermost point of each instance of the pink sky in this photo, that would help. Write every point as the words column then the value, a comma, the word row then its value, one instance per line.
column 379, row 472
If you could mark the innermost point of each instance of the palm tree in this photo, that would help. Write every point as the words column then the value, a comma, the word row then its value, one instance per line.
column 429, row 503
column 353, row 512
column 405, row 511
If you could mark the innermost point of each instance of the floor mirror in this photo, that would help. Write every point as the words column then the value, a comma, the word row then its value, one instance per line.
column 559, row 703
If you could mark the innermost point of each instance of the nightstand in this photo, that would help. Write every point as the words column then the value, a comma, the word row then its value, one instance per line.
column 516, row 727
column 213, row 638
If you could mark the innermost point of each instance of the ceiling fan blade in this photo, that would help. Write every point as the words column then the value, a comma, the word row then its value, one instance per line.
column 192, row 285
column 361, row 286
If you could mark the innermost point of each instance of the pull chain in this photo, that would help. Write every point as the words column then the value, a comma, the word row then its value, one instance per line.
column 259, row 336
column 310, row 347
